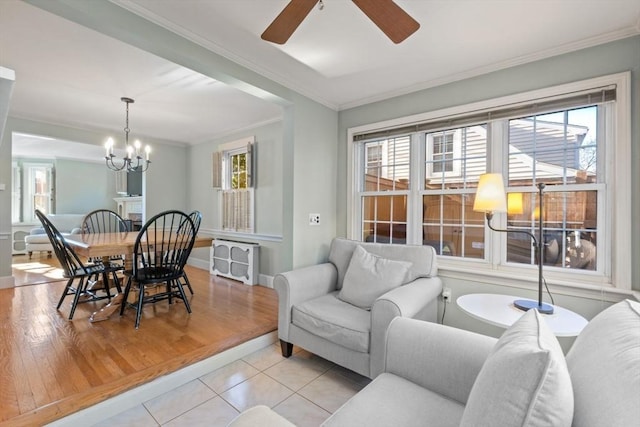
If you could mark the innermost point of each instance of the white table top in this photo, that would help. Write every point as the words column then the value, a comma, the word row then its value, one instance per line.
column 498, row 310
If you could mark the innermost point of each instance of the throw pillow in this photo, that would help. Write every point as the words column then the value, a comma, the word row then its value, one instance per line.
column 370, row 276
column 524, row 381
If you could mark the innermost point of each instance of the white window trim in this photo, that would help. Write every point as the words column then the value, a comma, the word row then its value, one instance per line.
column 619, row 177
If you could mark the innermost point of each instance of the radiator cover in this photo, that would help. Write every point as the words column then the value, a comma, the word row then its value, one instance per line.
column 235, row 260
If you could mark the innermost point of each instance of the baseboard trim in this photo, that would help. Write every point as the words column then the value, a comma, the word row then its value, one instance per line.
column 7, row 282
column 263, row 279
column 155, row 388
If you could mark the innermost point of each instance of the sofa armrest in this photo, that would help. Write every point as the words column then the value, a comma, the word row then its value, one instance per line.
column 439, row 358
column 36, row 231
column 297, row 286
column 410, row 300
column 76, row 230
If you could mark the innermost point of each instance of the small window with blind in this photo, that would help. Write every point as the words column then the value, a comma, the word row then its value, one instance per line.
column 233, row 175
column 574, row 138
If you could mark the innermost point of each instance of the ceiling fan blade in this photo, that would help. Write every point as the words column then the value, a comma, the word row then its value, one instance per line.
column 390, row 18
column 289, row 19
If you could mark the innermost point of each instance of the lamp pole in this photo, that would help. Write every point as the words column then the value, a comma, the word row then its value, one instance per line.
column 538, row 243
column 540, row 246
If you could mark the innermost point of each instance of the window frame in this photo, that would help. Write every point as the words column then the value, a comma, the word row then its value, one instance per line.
column 617, row 249
column 24, row 185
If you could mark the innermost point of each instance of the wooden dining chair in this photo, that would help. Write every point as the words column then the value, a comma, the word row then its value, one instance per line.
column 159, row 256
column 74, row 269
column 106, row 221
column 196, row 218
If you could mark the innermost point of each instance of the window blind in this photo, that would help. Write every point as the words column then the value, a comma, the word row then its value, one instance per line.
column 528, row 108
column 237, row 213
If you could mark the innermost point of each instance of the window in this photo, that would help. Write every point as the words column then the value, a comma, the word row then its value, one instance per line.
column 233, row 175
column 386, row 183
column 566, row 137
column 559, row 149
column 442, row 150
column 448, row 221
column 36, row 193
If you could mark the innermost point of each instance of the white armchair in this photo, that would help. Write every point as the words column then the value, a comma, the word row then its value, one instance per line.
column 314, row 315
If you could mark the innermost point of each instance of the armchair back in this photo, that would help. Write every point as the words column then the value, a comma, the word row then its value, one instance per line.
column 423, row 258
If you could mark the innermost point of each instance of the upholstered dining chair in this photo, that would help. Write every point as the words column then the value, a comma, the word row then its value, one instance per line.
column 159, row 256
column 74, row 268
column 106, row 221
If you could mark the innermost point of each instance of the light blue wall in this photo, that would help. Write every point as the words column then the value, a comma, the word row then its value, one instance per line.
column 83, row 186
column 268, row 158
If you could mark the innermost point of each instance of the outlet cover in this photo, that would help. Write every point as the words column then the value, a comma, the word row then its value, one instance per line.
column 314, row 219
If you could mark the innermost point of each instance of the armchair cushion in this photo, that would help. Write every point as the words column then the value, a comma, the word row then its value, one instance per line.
column 422, row 258
column 524, row 382
column 335, row 320
column 370, row 276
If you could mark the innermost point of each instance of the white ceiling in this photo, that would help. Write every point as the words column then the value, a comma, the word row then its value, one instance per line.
column 68, row 74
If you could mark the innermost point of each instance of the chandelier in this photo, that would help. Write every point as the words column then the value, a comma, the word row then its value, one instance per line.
column 132, row 160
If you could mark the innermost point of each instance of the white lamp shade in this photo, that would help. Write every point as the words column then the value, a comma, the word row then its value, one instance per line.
column 490, row 195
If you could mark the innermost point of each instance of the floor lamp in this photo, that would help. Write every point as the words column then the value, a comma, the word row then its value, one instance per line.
column 491, row 198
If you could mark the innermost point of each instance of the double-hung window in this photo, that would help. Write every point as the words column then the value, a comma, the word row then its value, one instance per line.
column 233, row 175
column 415, row 182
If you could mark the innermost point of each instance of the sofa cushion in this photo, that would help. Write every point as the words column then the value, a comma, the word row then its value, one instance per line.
column 370, row 276
column 524, row 381
column 604, row 363
column 422, row 258
column 334, row 320
column 391, row 400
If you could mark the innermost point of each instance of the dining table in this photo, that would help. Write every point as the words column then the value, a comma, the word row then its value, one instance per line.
column 105, row 245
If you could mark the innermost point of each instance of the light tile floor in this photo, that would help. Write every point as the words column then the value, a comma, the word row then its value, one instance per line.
column 304, row 388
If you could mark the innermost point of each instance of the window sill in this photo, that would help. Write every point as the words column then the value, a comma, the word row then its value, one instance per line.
column 524, row 280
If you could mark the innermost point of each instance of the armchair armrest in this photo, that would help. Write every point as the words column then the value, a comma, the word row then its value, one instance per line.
column 410, row 300
column 297, row 286
column 439, row 358
column 36, row 231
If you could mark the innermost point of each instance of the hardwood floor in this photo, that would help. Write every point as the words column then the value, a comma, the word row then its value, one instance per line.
column 51, row 367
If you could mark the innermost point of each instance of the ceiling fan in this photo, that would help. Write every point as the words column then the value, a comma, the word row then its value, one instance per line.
column 388, row 16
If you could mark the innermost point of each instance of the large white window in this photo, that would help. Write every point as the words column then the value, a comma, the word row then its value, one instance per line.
column 574, row 138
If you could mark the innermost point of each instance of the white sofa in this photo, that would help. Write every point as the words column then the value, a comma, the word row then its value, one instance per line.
column 436, row 375
column 66, row 224
column 341, row 313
